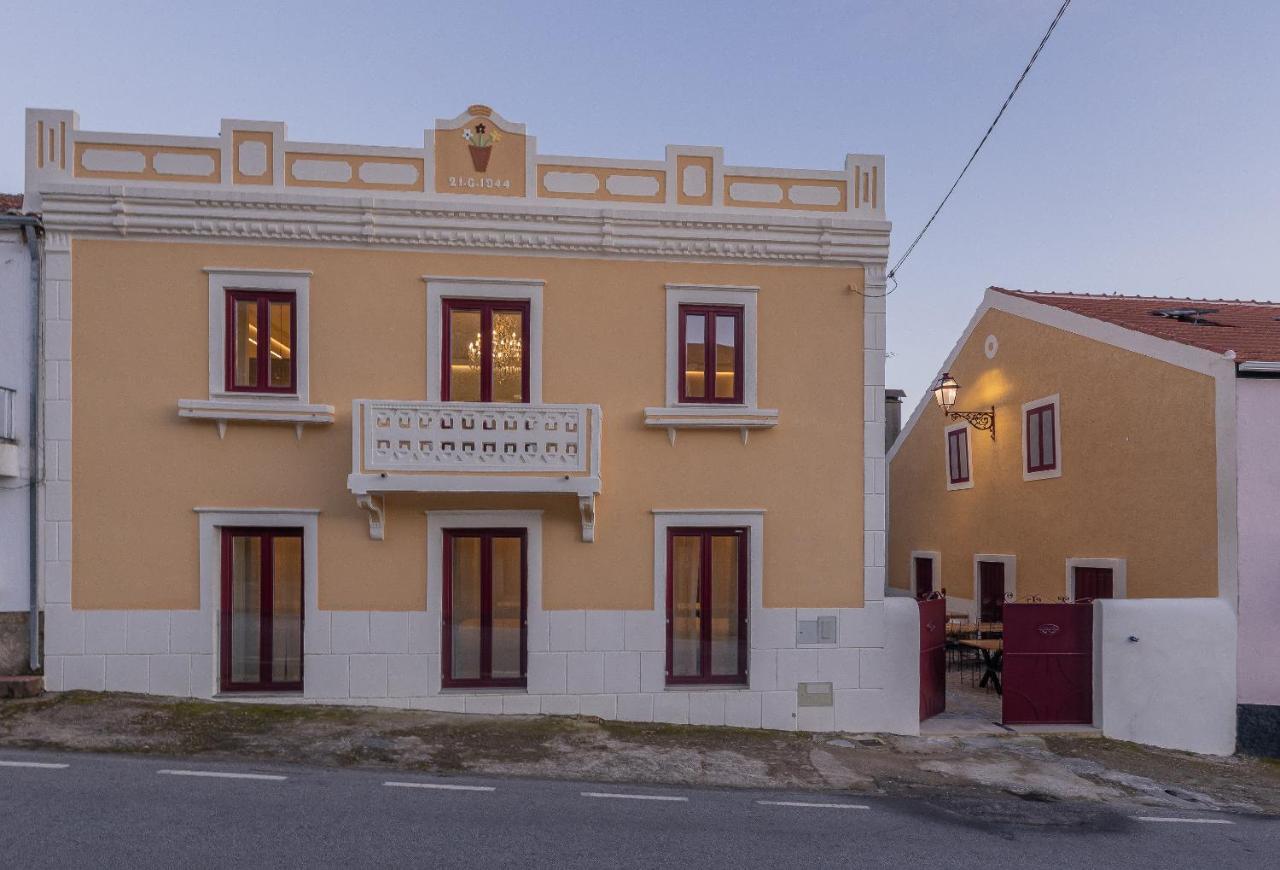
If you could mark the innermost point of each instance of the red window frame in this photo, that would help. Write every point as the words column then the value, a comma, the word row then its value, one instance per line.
column 1093, row 582
column 958, row 470
column 990, row 604
column 266, row 611
column 486, row 679
column 705, row 676
column 264, row 298
column 924, row 569
column 709, row 314
column 1042, row 412
column 486, row 307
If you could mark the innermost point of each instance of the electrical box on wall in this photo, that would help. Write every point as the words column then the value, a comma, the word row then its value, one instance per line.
column 816, row 631
column 8, row 459
column 814, row 695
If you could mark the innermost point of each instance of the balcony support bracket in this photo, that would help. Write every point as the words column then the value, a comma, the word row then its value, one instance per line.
column 587, row 512
column 376, row 506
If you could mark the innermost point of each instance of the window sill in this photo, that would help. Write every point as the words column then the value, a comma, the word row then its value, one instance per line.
column 708, row 687
column 267, row 409
column 1042, row 475
column 739, row 417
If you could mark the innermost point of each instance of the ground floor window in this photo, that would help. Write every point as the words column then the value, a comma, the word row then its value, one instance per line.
column 485, row 607
column 924, row 574
column 261, row 612
column 991, row 583
column 707, row 605
column 1093, row 582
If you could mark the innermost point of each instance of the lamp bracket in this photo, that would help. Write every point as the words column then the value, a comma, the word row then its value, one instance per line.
column 978, row 419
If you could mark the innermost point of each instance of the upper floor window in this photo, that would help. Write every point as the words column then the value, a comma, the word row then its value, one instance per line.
column 959, row 471
column 1042, row 442
column 485, row 355
column 258, row 345
column 260, row 330
column 485, row 337
column 711, row 353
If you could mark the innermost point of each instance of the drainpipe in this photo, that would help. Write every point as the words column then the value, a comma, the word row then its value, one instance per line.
column 31, row 229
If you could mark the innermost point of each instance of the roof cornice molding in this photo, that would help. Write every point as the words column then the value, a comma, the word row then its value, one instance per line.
column 138, row 212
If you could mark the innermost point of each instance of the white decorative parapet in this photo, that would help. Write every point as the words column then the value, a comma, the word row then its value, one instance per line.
column 477, row 153
column 470, row 447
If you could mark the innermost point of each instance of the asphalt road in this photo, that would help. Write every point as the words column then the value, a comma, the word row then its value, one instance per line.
column 72, row 810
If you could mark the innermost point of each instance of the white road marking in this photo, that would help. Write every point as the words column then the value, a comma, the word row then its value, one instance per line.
column 440, row 785
column 221, row 775
column 1183, row 821
column 633, row 797
column 41, row 764
column 806, row 804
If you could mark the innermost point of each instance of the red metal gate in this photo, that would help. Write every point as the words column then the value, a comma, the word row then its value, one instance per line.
column 1048, row 664
column 933, row 656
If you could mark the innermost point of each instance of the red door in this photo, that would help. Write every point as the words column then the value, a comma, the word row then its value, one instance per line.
column 924, row 575
column 1048, row 664
column 1093, row 582
column 991, row 590
column 933, row 656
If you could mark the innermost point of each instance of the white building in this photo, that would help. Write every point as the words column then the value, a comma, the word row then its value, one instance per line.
column 19, row 276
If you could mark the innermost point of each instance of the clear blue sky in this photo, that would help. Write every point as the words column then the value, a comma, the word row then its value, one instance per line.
column 1141, row 155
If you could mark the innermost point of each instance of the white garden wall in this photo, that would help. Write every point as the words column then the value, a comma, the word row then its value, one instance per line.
column 1165, row 672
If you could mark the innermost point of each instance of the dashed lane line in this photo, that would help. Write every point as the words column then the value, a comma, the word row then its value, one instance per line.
column 1176, row 820
column 217, row 774
column 814, row 805
column 442, row 786
column 43, row 765
column 634, row 797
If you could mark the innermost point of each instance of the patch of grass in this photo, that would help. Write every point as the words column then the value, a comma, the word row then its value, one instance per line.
column 202, row 726
column 720, row 737
column 457, row 744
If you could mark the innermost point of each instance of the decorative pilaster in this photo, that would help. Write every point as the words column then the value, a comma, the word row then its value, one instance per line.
column 875, row 518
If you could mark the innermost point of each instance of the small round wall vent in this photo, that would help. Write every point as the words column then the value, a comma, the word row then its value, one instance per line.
column 992, row 346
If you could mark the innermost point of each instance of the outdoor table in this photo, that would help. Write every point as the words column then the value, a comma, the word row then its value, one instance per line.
column 992, row 651
column 976, row 628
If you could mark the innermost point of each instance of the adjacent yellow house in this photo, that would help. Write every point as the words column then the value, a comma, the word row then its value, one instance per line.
column 1101, row 458
column 1118, row 449
column 466, row 427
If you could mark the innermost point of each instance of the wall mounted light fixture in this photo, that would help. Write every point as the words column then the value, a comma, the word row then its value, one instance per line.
column 945, row 391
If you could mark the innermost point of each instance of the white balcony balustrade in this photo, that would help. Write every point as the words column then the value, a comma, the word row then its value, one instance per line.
column 472, row 447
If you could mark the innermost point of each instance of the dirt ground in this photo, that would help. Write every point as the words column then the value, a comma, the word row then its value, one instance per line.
column 1055, row 767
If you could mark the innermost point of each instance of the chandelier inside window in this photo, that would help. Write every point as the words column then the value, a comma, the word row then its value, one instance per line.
column 508, row 349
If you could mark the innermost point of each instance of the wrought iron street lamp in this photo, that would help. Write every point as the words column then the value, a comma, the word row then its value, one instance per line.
column 945, row 391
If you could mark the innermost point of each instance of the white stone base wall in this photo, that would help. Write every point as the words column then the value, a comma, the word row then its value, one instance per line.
column 609, row 664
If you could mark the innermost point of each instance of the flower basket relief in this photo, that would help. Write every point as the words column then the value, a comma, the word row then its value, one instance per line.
column 480, row 139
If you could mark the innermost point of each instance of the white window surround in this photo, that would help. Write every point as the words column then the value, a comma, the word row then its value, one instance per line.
column 212, row 521
column 946, row 455
column 224, row 405
column 933, row 556
column 531, row 521
column 1119, row 571
column 681, row 415
column 753, row 520
column 1056, row 471
column 1010, row 579
column 440, row 288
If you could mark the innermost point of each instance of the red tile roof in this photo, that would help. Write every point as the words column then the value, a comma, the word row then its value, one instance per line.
column 1251, row 329
column 10, row 202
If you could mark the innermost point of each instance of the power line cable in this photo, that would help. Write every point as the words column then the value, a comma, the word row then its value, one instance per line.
column 985, row 136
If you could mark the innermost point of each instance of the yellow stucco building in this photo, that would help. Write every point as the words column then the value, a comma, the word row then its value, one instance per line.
column 1117, row 450
column 466, row 427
